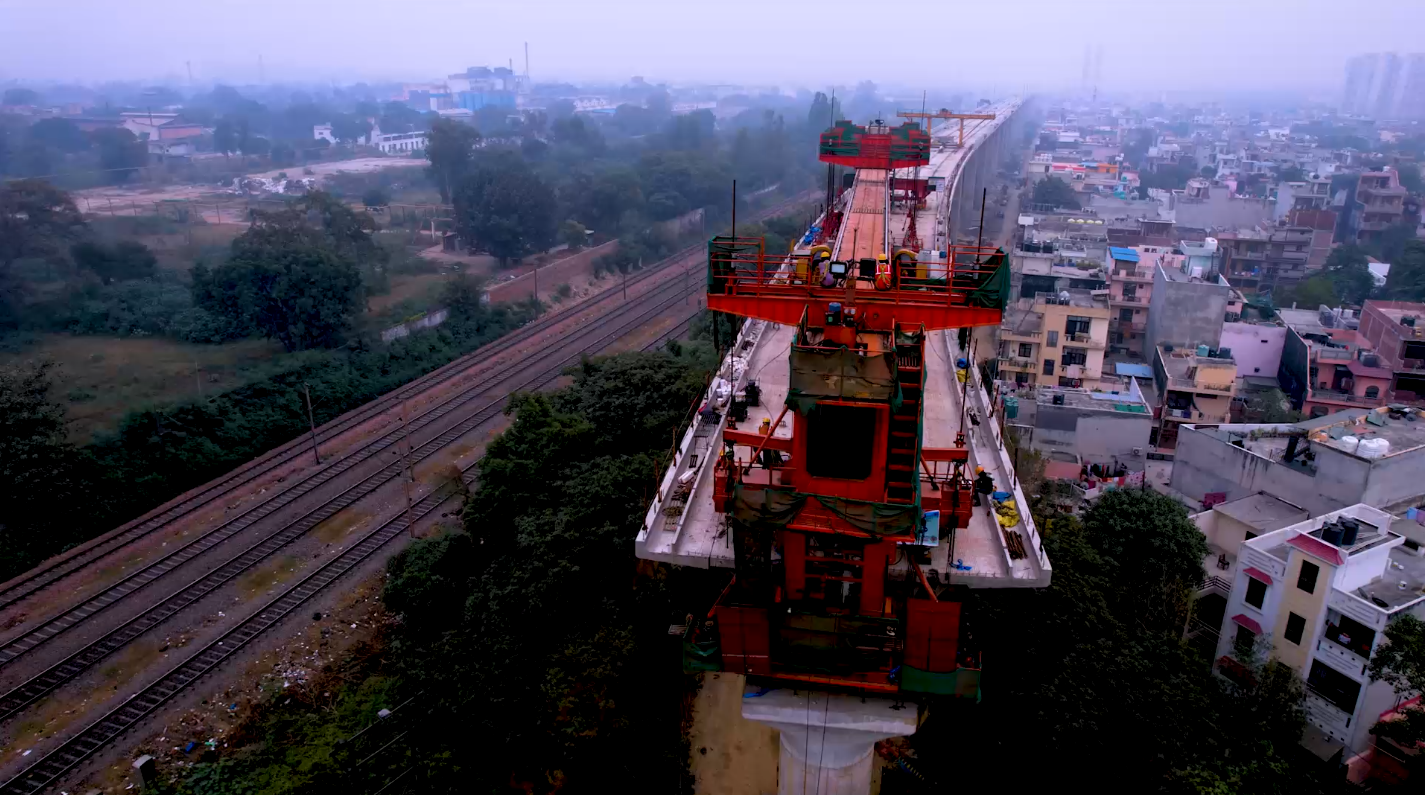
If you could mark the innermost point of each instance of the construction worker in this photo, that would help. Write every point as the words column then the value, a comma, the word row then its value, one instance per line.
column 984, row 483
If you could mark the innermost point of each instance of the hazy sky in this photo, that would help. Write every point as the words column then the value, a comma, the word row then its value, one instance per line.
column 1147, row 44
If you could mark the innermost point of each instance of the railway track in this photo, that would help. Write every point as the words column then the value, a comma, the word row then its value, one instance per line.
column 46, row 574
column 515, row 375
column 119, row 720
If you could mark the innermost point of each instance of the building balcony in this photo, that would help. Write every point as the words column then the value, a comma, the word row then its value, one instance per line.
column 1023, row 336
column 1017, row 364
column 1139, row 277
column 1084, row 341
column 1333, row 396
column 1128, row 300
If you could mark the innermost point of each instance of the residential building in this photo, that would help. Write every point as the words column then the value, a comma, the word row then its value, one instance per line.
column 1394, row 330
column 1256, row 347
column 1320, row 225
column 1226, row 525
column 1186, row 308
column 1316, row 596
column 1130, row 286
column 1379, row 204
column 160, row 126
column 1265, row 258
column 1193, row 385
column 1326, row 366
column 1086, row 427
column 1055, row 338
column 1313, row 193
column 1318, row 463
column 398, row 143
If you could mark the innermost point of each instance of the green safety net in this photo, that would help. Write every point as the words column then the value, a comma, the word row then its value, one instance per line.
column 989, row 290
column 961, row 683
column 777, row 508
column 839, row 373
column 701, row 656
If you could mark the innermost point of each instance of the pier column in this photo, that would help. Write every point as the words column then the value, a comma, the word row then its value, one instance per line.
column 828, row 740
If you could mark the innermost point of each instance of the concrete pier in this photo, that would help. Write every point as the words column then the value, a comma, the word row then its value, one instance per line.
column 827, row 740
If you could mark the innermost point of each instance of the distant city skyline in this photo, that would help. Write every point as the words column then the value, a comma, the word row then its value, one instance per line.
column 1010, row 45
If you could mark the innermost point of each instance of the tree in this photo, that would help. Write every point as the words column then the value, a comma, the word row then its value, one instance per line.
column 288, row 278
column 19, row 96
column 1406, row 280
column 1410, row 178
column 573, row 234
column 123, row 261
column 36, row 220
column 349, row 127
column 1156, row 550
column 1346, row 269
column 38, row 467
column 1400, row 662
column 376, row 197
column 1055, row 192
column 505, row 209
column 121, row 153
column 1291, row 174
column 62, row 134
column 225, row 136
column 1311, row 293
column 449, row 149
column 1272, row 406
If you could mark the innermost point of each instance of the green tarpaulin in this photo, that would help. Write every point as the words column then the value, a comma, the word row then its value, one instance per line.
column 777, row 508
column 840, row 374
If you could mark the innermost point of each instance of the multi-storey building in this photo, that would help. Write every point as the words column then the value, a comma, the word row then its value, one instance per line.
column 1130, row 288
column 1379, row 205
column 1319, row 464
column 1261, row 260
column 1194, row 385
column 1373, row 85
column 1396, row 331
column 1055, row 338
column 1327, row 367
column 1187, row 307
column 1316, row 596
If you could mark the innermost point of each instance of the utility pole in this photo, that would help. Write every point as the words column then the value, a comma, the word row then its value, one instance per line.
column 311, row 421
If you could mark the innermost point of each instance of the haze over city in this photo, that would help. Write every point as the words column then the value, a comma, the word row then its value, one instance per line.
column 1149, row 47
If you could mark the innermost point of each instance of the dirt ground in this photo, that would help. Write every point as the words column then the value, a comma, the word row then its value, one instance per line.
column 731, row 756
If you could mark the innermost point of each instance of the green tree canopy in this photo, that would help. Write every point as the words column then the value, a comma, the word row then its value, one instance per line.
column 449, row 149
column 1406, row 280
column 1400, row 662
column 291, row 279
column 38, row 467
column 121, row 153
column 1351, row 279
column 1054, row 192
column 504, row 208
column 123, row 261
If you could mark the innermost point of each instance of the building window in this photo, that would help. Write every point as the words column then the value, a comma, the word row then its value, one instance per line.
column 1256, row 592
column 1245, row 641
column 1026, row 350
column 1125, row 315
column 1372, row 391
column 1048, row 366
column 1077, row 325
column 1306, row 581
column 1334, row 686
column 1074, row 356
column 1052, row 339
column 1295, row 625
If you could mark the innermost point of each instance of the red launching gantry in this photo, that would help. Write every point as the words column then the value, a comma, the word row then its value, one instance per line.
column 829, row 525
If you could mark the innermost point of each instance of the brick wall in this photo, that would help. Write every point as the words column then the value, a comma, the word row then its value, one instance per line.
column 552, row 275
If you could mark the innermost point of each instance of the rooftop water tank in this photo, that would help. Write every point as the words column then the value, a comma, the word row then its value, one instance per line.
column 1373, row 448
column 1202, row 350
column 1331, row 533
column 1350, row 443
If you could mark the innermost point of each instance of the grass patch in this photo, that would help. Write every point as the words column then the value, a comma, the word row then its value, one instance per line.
column 341, row 525
column 138, row 656
column 104, row 378
column 268, row 576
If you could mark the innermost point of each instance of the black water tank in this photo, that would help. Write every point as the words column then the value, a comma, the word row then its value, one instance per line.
column 1350, row 530
column 1331, row 534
